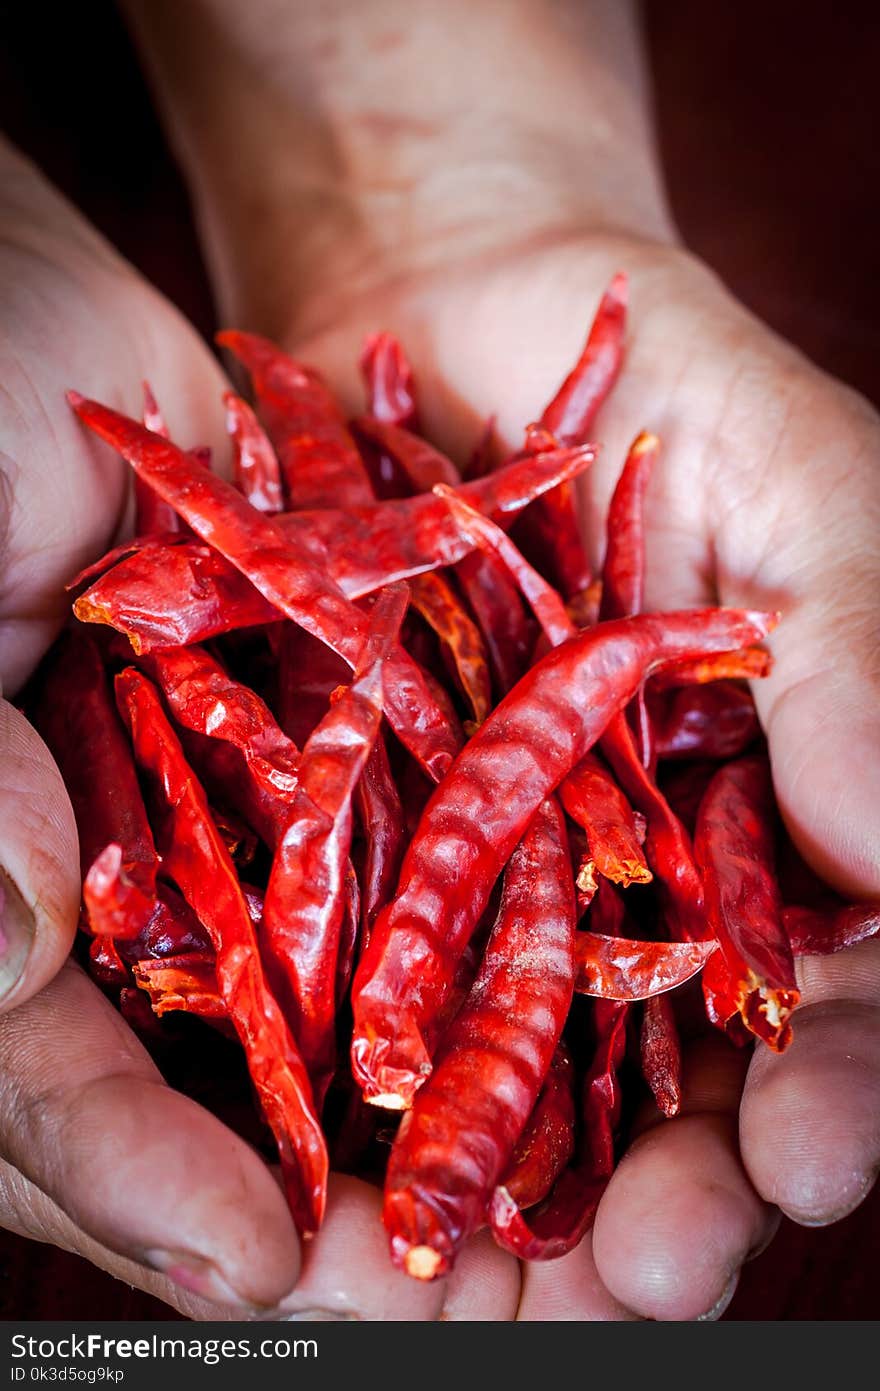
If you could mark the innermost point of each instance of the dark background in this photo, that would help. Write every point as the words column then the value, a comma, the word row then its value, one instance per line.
column 768, row 116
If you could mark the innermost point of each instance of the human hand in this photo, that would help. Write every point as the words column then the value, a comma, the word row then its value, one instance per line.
column 97, row 1154
column 488, row 263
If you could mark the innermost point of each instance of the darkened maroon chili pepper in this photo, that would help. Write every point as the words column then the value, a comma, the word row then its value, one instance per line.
column 716, row 721
column 620, row 968
column 735, row 849
column 418, row 461
column 660, row 1052
column 379, row 808
column 349, row 933
column 77, row 718
column 173, row 930
column 256, row 546
column 305, row 900
column 474, row 819
column 458, row 1139
column 547, row 1144
column 821, row 932
column 105, row 963
column 318, row 458
column 254, row 462
column 193, row 854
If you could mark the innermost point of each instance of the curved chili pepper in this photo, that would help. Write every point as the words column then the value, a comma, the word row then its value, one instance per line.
column 458, row 1139
column 316, row 453
column 258, row 548
column 547, row 1144
column 435, row 599
column 618, row 968
column 477, row 815
column 76, row 717
column 734, row 843
column 752, row 663
column 660, row 1053
column 196, row 858
column 305, row 900
column 817, row 932
column 623, row 571
column 592, row 799
column 254, row 463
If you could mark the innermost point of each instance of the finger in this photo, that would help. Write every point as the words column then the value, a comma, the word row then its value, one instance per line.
column 39, row 862
column 484, row 1285
column 680, row 1216
column 810, row 1119
column 139, row 1168
column 569, row 1289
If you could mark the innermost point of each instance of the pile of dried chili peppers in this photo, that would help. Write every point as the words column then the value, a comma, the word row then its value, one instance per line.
column 374, row 778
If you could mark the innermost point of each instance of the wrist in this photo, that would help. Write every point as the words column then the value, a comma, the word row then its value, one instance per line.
column 365, row 146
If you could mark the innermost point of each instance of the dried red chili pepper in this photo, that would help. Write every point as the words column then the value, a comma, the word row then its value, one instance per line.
column 258, row 548
column 76, row 717
column 818, row 932
column 623, row 571
column 316, row 453
column 419, row 463
column 382, row 820
column 435, row 599
column 152, row 513
column 526, row 747
column 716, row 721
column 734, row 843
column 752, row 663
column 614, row 834
column 458, row 1139
column 547, row 1144
column 182, row 983
column 254, row 462
column 389, row 381
column 304, row 907
column 660, row 1052
column 194, row 855
column 619, row 968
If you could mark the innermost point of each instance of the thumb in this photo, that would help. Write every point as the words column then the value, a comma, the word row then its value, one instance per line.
column 39, row 862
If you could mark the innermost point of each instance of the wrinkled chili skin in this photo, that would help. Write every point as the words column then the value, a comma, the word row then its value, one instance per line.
column 753, row 973
column 293, row 583
column 592, row 799
column 255, row 465
column 388, row 379
column 660, row 1054
column 196, row 858
column 458, row 1139
column 379, row 808
column 476, row 817
column 717, row 721
column 822, row 932
column 621, row 968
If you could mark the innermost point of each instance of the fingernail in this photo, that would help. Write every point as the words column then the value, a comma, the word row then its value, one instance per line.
column 198, row 1276
column 320, row 1316
column 17, row 928
column 718, row 1309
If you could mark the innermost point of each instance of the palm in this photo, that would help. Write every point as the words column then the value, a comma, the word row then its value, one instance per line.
column 765, row 496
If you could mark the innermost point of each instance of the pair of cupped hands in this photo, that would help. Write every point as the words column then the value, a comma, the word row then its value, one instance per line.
column 766, row 496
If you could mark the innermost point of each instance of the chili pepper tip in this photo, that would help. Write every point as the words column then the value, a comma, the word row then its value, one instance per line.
column 75, row 399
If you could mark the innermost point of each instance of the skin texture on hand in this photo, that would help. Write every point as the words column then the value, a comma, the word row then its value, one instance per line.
column 765, row 495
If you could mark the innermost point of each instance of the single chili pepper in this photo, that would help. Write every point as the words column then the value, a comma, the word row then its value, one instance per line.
column 553, row 532
column 194, row 855
column 660, row 1052
column 618, row 968
column 498, row 609
column 560, row 1222
column 382, row 821
column 203, row 698
column 316, row 453
column 547, row 1144
column 469, row 828
column 105, row 963
column 614, row 834
column 717, row 721
column 182, row 983
column 458, row 1139
column 752, row 663
column 623, row 571
column 75, row 715
column 155, row 543
column 254, row 464
column 419, row 463
column 171, row 596
column 813, row 932
column 388, row 378
column 152, row 513
column 259, row 549
column 734, row 845
column 304, row 905
column 435, row 599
